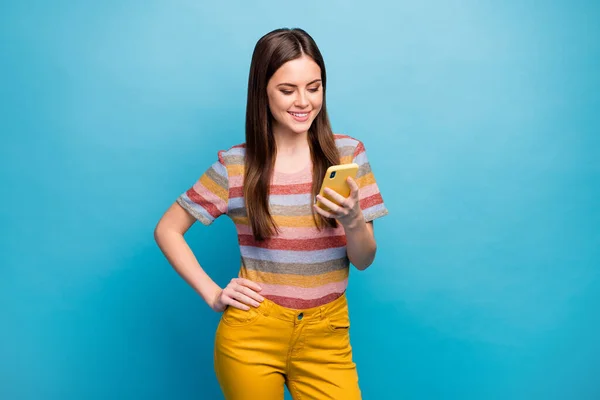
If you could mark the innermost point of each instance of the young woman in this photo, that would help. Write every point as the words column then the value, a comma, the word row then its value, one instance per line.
column 285, row 318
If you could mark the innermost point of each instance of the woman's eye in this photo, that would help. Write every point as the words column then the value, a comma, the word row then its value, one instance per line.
column 287, row 92
column 313, row 90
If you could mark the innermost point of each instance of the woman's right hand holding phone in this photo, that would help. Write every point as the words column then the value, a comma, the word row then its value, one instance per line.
column 239, row 293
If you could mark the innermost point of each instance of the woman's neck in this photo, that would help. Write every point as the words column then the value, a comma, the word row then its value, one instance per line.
column 293, row 151
column 290, row 143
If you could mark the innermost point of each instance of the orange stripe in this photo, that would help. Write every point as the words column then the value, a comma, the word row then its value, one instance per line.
column 346, row 159
column 305, row 221
column 235, row 169
column 214, row 187
column 365, row 180
column 305, row 281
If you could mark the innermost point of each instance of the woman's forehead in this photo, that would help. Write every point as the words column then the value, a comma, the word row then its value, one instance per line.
column 299, row 71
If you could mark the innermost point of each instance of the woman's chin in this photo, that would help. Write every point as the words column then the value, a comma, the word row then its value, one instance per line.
column 300, row 128
column 297, row 128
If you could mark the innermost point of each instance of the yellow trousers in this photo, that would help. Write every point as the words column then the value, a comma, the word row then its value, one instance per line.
column 260, row 350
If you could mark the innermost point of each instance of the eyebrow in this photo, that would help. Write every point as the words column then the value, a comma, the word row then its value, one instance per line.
column 289, row 84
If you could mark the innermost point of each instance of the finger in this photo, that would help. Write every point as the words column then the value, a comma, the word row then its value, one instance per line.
column 251, row 293
column 248, row 283
column 322, row 212
column 234, row 303
column 353, row 185
column 335, row 196
column 242, row 298
column 329, row 204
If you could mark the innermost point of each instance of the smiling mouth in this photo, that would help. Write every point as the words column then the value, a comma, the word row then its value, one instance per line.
column 299, row 115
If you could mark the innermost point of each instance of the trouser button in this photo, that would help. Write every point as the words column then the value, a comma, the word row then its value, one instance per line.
column 300, row 316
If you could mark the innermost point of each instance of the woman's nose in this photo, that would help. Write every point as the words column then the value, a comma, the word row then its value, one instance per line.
column 301, row 100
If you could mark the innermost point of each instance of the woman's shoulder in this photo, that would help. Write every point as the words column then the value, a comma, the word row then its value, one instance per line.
column 234, row 155
column 347, row 146
column 343, row 138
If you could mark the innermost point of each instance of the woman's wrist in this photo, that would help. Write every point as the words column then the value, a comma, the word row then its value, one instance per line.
column 354, row 224
column 214, row 298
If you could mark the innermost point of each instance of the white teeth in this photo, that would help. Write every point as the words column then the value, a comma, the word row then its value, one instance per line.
column 299, row 115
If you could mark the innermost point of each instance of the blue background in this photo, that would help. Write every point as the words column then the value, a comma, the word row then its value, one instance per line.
column 481, row 124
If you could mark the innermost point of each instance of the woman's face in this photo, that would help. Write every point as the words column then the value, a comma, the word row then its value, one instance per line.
column 295, row 95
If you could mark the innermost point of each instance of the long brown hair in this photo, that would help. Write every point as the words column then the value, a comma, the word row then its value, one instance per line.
column 272, row 51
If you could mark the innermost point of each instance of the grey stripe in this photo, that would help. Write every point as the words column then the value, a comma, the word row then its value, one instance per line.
column 295, row 268
column 363, row 170
column 237, row 212
column 219, row 179
column 375, row 212
column 187, row 207
column 234, row 159
column 346, row 151
column 291, row 211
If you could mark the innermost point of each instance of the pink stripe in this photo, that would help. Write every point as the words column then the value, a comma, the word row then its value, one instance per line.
column 210, row 196
column 342, row 136
column 303, row 293
column 299, row 304
column 287, row 232
column 236, row 181
column 367, row 191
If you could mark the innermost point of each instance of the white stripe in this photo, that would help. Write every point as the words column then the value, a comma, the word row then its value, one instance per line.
column 287, row 256
column 236, row 202
column 346, row 142
column 236, row 151
column 361, row 158
column 374, row 210
column 220, row 169
column 290, row 199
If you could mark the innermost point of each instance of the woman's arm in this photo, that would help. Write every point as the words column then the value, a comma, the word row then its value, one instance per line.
column 360, row 239
column 361, row 245
column 169, row 236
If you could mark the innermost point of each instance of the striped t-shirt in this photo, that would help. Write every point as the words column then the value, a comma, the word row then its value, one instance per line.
column 300, row 267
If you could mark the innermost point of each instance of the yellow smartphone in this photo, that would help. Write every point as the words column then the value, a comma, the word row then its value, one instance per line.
column 335, row 179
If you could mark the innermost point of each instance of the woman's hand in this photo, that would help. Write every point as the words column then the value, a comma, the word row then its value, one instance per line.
column 239, row 293
column 345, row 209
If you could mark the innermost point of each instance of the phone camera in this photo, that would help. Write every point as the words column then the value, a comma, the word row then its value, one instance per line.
column 332, row 175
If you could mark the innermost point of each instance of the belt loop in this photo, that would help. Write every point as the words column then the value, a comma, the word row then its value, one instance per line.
column 266, row 308
column 322, row 312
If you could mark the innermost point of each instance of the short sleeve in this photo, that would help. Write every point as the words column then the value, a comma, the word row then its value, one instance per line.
column 208, row 198
column 371, row 202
